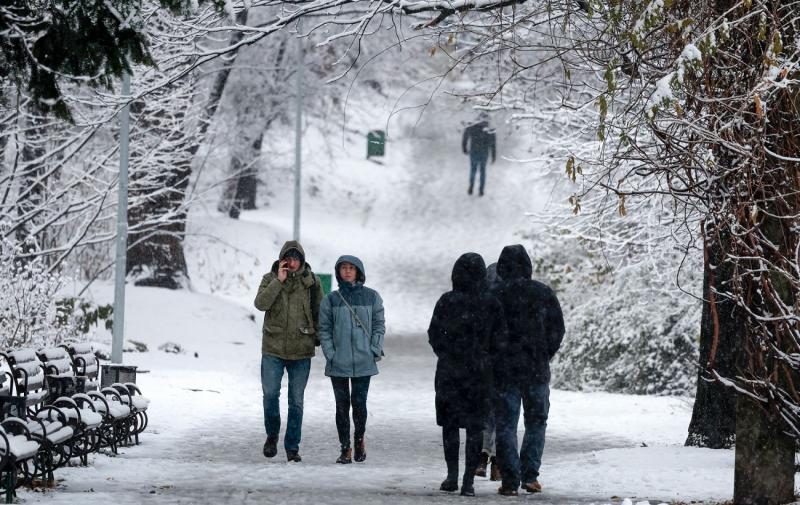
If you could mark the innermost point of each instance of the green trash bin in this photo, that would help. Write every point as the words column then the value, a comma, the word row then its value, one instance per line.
column 376, row 143
column 326, row 280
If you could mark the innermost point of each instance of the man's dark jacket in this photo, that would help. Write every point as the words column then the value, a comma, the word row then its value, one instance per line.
column 480, row 139
column 534, row 319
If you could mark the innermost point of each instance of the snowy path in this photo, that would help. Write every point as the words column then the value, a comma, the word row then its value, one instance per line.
column 204, row 441
column 408, row 219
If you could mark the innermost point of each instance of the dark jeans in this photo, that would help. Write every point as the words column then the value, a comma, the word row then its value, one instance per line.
column 477, row 161
column 472, row 452
column 271, row 376
column 522, row 466
column 357, row 397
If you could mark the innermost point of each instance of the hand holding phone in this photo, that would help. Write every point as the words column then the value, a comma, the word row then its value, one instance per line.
column 282, row 270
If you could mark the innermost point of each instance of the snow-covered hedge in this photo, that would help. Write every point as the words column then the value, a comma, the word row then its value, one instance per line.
column 629, row 296
column 33, row 313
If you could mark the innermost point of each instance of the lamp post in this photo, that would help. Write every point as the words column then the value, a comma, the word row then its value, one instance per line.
column 122, row 225
column 298, row 133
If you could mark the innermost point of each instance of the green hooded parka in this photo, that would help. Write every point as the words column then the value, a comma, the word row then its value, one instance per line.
column 291, row 322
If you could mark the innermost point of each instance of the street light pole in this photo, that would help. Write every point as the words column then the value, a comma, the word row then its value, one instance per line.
column 122, row 225
column 298, row 133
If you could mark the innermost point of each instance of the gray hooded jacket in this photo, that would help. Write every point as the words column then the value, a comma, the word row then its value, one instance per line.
column 350, row 349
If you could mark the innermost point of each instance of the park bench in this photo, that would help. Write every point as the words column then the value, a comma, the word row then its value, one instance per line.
column 87, row 366
column 49, row 425
column 17, row 445
column 113, row 420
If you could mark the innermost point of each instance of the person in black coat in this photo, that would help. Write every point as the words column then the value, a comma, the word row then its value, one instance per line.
column 478, row 141
column 522, row 367
column 464, row 323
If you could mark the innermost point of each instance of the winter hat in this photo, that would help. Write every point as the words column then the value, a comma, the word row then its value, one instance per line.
column 293, row 253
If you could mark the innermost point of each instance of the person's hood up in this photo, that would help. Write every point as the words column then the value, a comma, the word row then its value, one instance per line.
column 361, row 276
column 514, row 263
column 469, row 273
column 288, row 246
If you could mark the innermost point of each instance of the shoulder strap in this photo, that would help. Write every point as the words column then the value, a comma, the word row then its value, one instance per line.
column 313, row 294
column 353, row 313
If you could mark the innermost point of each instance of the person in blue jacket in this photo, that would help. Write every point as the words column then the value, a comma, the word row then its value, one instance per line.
column 351, row 330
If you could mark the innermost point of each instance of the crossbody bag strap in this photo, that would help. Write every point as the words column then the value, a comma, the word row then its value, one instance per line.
column 353, row 312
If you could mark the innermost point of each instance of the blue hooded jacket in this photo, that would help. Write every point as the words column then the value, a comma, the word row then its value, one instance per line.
column 351, row 340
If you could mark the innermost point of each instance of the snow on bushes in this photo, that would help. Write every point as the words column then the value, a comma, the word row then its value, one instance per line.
column 631, row 327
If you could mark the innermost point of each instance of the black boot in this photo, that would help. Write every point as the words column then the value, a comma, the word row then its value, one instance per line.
column 293, row 457
column 450, row 484
column 467, row 484
column 467, row 489
column 481, row 470
column 271, row 447
column 361, row 450
column 469, row 191
column 346, row 456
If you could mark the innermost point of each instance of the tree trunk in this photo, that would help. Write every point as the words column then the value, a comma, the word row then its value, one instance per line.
column 240, row 192
column 31, row 185
column 244, row 197
column 764, row 468
column 713, row 421
column 156, row 216
column 156, row 252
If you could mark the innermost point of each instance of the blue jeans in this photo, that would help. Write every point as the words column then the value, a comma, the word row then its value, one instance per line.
column 477, row 161
column 271, row 376
column 522, row 466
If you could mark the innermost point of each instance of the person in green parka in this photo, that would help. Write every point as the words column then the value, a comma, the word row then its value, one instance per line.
column 290, row 294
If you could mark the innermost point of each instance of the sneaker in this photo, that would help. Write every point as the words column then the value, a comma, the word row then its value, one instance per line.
column 467, row 490
column 481, row 470
column 532, row 487
column 293, row 457
column 361, row 450
column 449, row 485
column 494, row 471
column 506, row 491
column 271, row 447
column 346, row 456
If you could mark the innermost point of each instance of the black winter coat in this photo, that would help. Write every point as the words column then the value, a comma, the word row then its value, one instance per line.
column 534, row 319
column 464, row 324
column 479, row 139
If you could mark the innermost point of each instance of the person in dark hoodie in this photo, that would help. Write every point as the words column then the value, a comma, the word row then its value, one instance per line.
column 478, row 141
column 290, row 294
column 522, row 367
column 465, row 321
column 351, row 333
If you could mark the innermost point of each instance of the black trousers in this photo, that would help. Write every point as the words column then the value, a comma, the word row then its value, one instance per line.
column 350, row 391
column 472, row 450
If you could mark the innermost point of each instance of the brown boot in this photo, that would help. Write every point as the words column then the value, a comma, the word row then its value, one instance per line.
column 494, row 472
column 532, row 487
column 481, row 470
column 345, row 457
column 361, row 450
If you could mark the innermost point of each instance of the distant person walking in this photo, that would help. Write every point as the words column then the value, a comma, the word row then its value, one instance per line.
column 465, row 321
column 522, row 368
column 290, row 294
column 351, row 334
column 478, row 141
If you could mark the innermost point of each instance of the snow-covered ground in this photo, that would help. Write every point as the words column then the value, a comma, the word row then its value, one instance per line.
column 408, row 218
